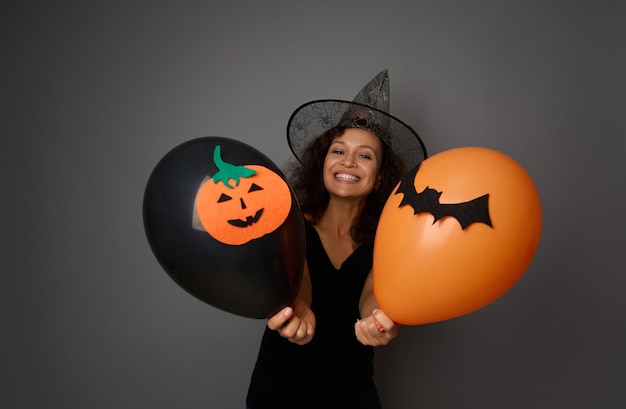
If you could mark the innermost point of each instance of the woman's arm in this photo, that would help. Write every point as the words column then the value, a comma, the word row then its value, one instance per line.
column 297, row 321
column 375, row 327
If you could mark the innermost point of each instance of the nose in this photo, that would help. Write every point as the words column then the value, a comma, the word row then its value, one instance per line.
column 349, row 161
column 243, row 204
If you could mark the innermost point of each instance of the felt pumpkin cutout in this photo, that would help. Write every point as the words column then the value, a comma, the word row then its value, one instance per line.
column 242, row 203
column 456, row 234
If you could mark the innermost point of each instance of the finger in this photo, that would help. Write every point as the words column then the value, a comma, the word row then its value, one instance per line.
column 280, row 319
column 371, row 327
column 366, row 332
column 297, row 331
column 358, row 331
column 382, row 321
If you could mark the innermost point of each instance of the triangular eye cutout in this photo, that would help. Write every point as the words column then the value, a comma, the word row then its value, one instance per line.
column 254, row 187
column 223, row 198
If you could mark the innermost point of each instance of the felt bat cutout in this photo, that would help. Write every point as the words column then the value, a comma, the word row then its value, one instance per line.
column 466, row 213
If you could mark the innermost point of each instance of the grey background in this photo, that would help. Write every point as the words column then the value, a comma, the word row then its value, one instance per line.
column 95, row 93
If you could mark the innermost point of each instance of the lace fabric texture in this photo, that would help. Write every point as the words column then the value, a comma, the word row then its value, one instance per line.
column 369, row 110
column 314, row 118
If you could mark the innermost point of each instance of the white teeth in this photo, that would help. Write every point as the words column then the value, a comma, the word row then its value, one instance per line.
column 345, row 176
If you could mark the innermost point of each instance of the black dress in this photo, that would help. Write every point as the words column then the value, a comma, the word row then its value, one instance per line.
column 334, row 370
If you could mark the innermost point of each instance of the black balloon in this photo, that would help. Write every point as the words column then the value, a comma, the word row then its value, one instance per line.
column 255, row 279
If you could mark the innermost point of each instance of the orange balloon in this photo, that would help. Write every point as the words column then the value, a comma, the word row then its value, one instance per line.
column 455, row 235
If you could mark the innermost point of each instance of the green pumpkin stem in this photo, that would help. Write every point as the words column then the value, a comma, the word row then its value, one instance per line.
column 227, row 171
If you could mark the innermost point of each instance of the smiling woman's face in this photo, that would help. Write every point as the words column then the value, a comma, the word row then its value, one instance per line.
column 352, row 163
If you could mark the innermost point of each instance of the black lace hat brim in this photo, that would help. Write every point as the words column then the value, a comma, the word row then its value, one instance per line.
column 313, row 118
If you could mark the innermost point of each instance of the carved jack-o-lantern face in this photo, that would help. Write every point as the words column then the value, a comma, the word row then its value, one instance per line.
column 242, row 203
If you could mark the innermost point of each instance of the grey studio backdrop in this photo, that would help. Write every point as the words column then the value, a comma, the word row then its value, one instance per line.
column 93, row 94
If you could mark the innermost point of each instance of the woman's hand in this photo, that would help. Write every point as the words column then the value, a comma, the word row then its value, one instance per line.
column 376, row 329
column 296, row 323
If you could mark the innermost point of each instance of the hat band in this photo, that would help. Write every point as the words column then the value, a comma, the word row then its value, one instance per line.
column 367, row 120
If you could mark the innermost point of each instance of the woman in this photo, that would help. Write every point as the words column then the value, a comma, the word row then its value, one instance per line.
column 318, row 352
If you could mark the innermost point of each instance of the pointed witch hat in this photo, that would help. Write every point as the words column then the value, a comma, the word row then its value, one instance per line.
column 369, row 111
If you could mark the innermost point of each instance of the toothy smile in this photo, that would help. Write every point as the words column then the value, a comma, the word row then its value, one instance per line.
column 346, row 177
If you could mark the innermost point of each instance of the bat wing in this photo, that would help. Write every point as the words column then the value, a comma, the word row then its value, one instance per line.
column 466, row 213
column 474, row 211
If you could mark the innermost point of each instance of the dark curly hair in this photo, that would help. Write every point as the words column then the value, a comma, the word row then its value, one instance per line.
column 307, row 181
